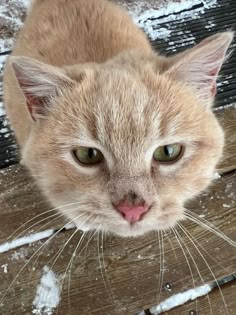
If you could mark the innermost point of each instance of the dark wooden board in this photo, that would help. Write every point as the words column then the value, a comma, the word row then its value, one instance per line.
column 187, row 32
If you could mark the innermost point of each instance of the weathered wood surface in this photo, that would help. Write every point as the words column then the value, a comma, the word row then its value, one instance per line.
column 227, row 119
column 132, row 266
column 213, row 301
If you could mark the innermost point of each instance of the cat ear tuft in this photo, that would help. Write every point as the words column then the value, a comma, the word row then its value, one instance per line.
column 39, row 82
column 199, row 67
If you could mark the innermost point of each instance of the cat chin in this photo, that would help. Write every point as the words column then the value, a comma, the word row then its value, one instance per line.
column 125, row 229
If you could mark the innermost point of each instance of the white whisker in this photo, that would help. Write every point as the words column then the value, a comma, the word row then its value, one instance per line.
column 203, row 258
column 208, row 226
column 27, row 263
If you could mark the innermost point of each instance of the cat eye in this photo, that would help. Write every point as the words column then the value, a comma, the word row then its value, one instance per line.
column 88, row 156
column 168, row 153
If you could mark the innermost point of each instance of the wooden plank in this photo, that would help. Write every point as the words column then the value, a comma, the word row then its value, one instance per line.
column 21, row 201
column 92, row 289
column 132, row 265
column 213, row 304
column 227, row 119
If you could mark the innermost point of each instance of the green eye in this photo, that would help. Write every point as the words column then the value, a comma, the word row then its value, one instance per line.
column 168, row 153
column 88, row 156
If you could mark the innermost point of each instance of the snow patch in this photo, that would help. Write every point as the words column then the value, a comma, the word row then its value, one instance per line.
column 5, row 268
column 216, row 176
column 2, row 109
column 70, row 226
column 25, row 240
column 47, row 294
column 21, row 254
column 233, row 105
column 180, row 299
column 11, row 14
column 3, row 130
column 210, row 24
column 26, row 3
column 155, row 21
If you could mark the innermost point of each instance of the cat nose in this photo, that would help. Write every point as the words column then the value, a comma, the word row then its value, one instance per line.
column 132, row 213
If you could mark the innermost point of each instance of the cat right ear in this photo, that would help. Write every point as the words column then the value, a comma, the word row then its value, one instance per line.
column 199, row 67
column 40, row 83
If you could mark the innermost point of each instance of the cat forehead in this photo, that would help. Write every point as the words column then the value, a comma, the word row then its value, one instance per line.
column 117, row 108
column 121, row 98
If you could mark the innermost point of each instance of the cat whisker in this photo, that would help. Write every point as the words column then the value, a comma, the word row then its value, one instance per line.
column 104, row 278
column 170, row 243
column 180, row 240
column 159, row 245
column 92, row 234
column 69, row 266
column 208, row 226
column 59, row 252
column 162, row 262
column 196, row 266
column 103, row 261
column 27, row 263
column 185, row 231
column 34, row 218
column 210, row 256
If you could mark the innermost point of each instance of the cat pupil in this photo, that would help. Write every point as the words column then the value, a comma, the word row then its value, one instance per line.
column 91, row 153
column 168, row 150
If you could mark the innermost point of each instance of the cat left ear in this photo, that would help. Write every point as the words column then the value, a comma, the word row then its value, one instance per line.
column 39, row 82
column 199, row 66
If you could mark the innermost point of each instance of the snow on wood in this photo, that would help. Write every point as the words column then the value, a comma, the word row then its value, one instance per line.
column 180, row 299
column 187, row 10
column 20, row 254
column 5, row 268
column 25, row 240
column 2, row 109
column 48, row 294
column 11, row 16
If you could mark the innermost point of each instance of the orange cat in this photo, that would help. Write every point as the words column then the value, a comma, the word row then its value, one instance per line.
column 117, row 137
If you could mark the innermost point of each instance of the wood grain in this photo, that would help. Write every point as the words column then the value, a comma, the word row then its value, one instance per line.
column 131, row 279
column 20, row 202
column 227, row 119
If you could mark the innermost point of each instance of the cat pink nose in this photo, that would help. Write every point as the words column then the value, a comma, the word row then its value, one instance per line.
column 132, row 213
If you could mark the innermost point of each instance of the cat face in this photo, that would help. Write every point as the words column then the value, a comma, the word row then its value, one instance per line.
column 126, row 116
